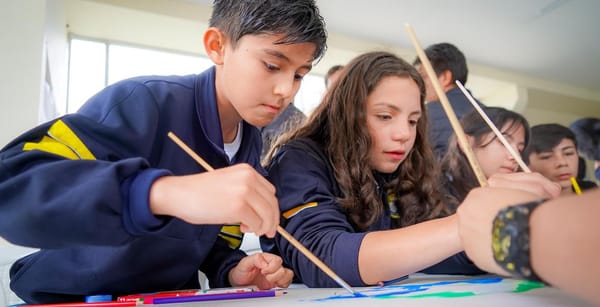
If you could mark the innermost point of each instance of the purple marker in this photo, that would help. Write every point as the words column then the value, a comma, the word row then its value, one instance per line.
column 217, row 297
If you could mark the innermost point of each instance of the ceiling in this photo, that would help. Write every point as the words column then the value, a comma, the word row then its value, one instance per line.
column 556, row 40
column 553, row 40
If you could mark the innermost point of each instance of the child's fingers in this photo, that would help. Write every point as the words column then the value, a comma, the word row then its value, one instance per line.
column 260, row 261
column 530, row 182
column 247, row 269
column 549, row 187
column 265, row 206
column 282, row 278
column 261, row 210
column 250, row 220
column 256, row 216
column 274, row 272
column 268, row 208
column 263, row 182
column 271, row 263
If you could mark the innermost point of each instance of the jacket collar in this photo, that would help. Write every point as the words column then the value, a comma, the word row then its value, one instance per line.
column 208, row 116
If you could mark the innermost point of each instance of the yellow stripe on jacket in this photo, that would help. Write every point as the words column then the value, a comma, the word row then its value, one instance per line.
column 61, row 141
column 233, row 235
column 288, row 214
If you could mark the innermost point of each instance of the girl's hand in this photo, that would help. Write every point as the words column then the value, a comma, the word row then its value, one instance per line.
column 475, row 217
column 529, row 182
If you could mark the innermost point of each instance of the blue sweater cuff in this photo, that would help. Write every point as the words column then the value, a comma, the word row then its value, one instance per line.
column 137, row 217
column 346, row 263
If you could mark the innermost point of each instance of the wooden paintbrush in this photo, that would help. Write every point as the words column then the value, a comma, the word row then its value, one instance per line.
column 320, row 264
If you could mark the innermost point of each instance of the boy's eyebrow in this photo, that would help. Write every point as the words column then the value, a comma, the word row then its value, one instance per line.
column 282, row 56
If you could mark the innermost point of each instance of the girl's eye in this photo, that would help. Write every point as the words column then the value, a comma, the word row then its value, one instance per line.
column 384, row 116
column 298, row 77
column 271, row 67
column 413, row 122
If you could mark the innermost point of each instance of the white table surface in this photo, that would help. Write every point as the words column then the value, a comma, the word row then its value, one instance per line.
column 419, row 290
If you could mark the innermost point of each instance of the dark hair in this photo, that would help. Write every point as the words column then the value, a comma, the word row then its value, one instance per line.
column 587, row 131
column 545, row 137
column 298, row 20
column 458, row 175
column 333, row 69
column 445, row 56
column 339, row 123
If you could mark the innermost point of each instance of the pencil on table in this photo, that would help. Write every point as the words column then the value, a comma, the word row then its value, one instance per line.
column 280, row 229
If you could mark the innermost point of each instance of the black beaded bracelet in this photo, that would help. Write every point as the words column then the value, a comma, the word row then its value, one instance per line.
column 510, row 240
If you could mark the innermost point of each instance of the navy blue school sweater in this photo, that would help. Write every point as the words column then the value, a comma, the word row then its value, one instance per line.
column 439, row 129
column 307, row 192
column 77, row 188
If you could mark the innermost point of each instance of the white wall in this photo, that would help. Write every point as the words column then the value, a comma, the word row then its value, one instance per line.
column 548, row 107
column 32, row 31
column 57, row 46
column 21, row 64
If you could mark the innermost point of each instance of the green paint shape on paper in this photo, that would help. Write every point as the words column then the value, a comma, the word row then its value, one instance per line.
column 527, row 286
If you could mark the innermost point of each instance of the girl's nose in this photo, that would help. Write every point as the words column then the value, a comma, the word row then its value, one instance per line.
column 401, row 132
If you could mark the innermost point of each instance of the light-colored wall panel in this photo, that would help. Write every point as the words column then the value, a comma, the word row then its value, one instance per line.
column 21, row 64
column 57, row 46
column 105, row 21
column 548, row 107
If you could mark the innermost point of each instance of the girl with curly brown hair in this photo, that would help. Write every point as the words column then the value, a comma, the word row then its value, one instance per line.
column 357, row 183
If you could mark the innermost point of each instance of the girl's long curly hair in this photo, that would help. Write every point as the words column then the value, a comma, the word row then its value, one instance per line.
column 339, row 125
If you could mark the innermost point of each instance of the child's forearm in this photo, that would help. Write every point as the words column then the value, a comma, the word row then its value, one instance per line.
column 386, row 255
column 565, row 243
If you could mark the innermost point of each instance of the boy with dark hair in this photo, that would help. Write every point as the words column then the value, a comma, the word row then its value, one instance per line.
column 117, row 208
column 587, row 131
column 552, row 152
column 449, row 64
column 333, row 73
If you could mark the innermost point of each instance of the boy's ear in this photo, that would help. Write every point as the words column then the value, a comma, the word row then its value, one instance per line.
column 214, row 45
column 446, row 80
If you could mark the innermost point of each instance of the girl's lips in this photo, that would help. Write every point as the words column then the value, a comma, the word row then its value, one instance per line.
column 272, row 109
column 396, row 155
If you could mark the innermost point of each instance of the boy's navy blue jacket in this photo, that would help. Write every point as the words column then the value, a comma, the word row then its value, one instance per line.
column 77, row 187
column 439, row 129
column 307, row 192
